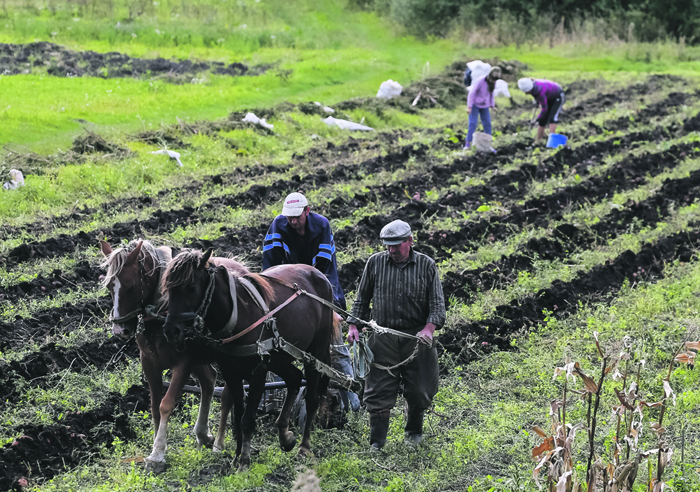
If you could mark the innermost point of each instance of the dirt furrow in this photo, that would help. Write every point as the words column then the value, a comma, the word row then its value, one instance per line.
column 562, row 298
column 46, row 450
column 245, row 241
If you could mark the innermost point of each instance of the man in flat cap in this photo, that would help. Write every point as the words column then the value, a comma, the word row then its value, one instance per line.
column 301, row 236
column 404, row 288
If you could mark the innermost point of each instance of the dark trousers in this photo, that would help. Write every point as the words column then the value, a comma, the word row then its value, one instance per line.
column 419, row 377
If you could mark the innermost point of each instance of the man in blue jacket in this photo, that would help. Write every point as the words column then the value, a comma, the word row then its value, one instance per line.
column 301, row 236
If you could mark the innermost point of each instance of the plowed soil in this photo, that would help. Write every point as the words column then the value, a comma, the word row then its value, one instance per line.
column 44, row 451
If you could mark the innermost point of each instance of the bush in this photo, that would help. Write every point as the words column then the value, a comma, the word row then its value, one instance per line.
column 425, row 17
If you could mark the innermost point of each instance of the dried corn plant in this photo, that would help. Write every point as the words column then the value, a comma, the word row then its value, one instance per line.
column 555, row 453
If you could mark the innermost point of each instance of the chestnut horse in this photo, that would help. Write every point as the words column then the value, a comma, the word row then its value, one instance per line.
column 304, row 323
column 133, row 279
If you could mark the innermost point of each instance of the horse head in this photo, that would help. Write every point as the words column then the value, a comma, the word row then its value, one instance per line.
column 130, row 282
column 185, row 284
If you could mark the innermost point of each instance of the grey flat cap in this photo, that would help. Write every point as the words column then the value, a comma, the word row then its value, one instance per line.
column 395, row 232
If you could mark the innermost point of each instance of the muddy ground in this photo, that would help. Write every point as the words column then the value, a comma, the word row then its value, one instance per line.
column 58, row 61
column 66, row 443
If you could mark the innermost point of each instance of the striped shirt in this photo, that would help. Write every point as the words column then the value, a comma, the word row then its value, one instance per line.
column 403, row 297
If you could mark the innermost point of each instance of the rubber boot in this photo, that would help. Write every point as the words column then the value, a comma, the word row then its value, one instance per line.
column 413, row 432
column 378, row 429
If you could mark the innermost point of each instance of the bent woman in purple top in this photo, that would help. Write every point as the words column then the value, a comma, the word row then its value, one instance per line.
column 479, row 101
column 550, row 96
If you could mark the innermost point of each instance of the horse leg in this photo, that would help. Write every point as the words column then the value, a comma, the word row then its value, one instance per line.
column 293, row 377
column 226, row 405
column 237, row 416
column 156, row 461
column 313, row 389
column 154, row 377
column 255, row 392
column 231, row 398
column 206, row 375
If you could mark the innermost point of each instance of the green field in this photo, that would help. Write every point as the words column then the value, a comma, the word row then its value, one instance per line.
column 538, row 248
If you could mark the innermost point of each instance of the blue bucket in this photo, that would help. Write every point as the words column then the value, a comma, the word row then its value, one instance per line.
column 555, row 140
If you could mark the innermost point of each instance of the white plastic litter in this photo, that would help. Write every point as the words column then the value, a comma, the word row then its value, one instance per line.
column 501, row 89
column 389, row 89
column 326, row 109
column 345, row 124
column 483, row 141
column 251, row 118
column 172, row 154
column 16, row 180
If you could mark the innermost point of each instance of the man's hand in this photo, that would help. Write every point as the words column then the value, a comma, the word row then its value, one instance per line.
column 469, row 109
column 337, row 316
column 425, row 336
column 353, row 334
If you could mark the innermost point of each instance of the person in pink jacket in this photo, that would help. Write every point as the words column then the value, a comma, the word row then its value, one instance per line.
column 479, row 101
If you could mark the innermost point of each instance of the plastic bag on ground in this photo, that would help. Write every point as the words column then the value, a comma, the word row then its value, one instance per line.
column 326, row 109
column 389, row 89
column 345, row 124
column 501, row 89
column 16, row 180
column 251, row 118
column 483, row 141
column 170, row 153
column 479, row 69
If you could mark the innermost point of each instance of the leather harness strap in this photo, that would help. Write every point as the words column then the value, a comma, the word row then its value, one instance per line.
column 261, row 320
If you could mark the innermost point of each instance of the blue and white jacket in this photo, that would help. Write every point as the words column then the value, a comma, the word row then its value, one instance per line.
column 279, row 249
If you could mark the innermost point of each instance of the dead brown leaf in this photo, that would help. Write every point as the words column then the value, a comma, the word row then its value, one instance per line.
column 623, row 399
column 588, row 382
column 547, row 445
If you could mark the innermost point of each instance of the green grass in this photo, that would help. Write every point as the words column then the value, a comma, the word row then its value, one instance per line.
column 479, row 436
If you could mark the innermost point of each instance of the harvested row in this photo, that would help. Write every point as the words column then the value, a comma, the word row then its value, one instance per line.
column 589, row 287
column 342, row 153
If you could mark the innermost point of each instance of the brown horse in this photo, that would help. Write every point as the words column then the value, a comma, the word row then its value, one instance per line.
column 304, row 323
column 133, row 279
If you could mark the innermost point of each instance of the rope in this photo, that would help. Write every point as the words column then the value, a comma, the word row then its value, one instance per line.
column 402, row 363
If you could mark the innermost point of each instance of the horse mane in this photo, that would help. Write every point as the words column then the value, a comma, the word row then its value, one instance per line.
column 263, row 286
column 114, row 263
column 180, row 270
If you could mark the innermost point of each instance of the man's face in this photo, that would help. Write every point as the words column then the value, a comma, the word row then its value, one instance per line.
column 298, row 223
column 400, row 252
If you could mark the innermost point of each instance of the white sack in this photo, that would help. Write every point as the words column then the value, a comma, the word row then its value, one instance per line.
column 483, row 141
column 345, row 124
column 251, row 118
column 389, row 89
column 479, row 69
column 16, row 180
column 501, row 89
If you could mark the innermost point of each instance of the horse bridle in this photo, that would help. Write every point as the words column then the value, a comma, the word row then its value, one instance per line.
column 144, row 312
column 201, row 313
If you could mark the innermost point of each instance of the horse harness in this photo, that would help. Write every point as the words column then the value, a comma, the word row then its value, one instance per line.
column 150, row 311
column 363, row 357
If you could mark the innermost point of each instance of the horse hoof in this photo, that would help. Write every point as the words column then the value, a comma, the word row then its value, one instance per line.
column 289, row 442
column 242, row 467
column 208, row 442
column 155, row 467
column 303, row 453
